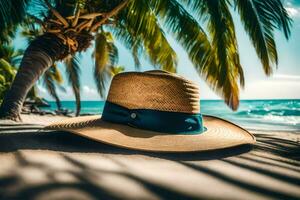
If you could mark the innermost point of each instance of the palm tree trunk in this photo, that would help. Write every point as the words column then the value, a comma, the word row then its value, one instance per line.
column 38, row 57
column 58, row 103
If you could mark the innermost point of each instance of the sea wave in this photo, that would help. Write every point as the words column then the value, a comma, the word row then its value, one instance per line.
column 270, row 112
column 292, row 120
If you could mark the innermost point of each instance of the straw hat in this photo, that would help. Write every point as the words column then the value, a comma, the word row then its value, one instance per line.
column 156, row 111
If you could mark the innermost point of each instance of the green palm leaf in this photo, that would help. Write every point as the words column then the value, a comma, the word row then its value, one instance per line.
column 221, row 75
column 106, row 56
column 130, row 41
column 224, row 44
column 7, row 70
column 11, row 14
column 11, row 55
column 30, row 32
column 101, row 61
column 185, row 29
column 260, row 19
column 7, row 74
column 51, row 78
column 114, row 70
column 2, row 81
column 73, row 75
column 142, row 22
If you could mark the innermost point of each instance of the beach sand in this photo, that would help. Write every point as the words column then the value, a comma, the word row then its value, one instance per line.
column 60, row 165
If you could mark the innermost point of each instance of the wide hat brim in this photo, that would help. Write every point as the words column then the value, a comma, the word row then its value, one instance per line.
column 220, row 134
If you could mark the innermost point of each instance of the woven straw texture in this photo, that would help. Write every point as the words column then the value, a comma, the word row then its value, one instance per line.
column 154, row 90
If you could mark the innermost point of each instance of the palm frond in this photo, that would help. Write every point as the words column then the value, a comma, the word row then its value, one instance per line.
column 224, row 44
column 101, row 62
column 113, row 52
column 30, row 31
column 143, row 24
column 7, row 74
column 211, row 60
column 11, row 14
column 38, row 9
column 7, row 70
column 56, row 74
column 51, row 79
column 259, row 19
column 276, row 14
column 106, row 55
column 11, row 55
column 186, row 31
column 73, row 75
column 136, row 52
column 114, row 70
column 130, row 41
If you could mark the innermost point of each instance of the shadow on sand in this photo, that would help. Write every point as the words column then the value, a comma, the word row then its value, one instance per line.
column 285, row 155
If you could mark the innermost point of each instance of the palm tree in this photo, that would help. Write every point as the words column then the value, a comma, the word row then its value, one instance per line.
column 9, row 61
column 52, row 78
column 71, row 25
column 105, row 55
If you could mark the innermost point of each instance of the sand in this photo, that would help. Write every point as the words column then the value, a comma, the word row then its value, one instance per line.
column 59, row 165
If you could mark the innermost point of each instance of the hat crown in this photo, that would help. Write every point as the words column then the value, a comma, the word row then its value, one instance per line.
column 156, row 90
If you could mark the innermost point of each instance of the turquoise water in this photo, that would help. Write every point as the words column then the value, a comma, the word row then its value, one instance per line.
column 253, row 114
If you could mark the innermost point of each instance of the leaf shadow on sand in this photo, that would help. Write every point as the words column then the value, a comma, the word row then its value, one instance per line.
column 286, row 156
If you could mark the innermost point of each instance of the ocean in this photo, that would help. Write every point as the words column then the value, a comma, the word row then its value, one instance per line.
column 252, row 114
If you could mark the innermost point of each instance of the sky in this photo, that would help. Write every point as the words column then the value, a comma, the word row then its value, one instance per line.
column 283, row 84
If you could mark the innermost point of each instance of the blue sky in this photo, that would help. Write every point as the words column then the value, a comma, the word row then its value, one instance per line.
column 283, row 84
